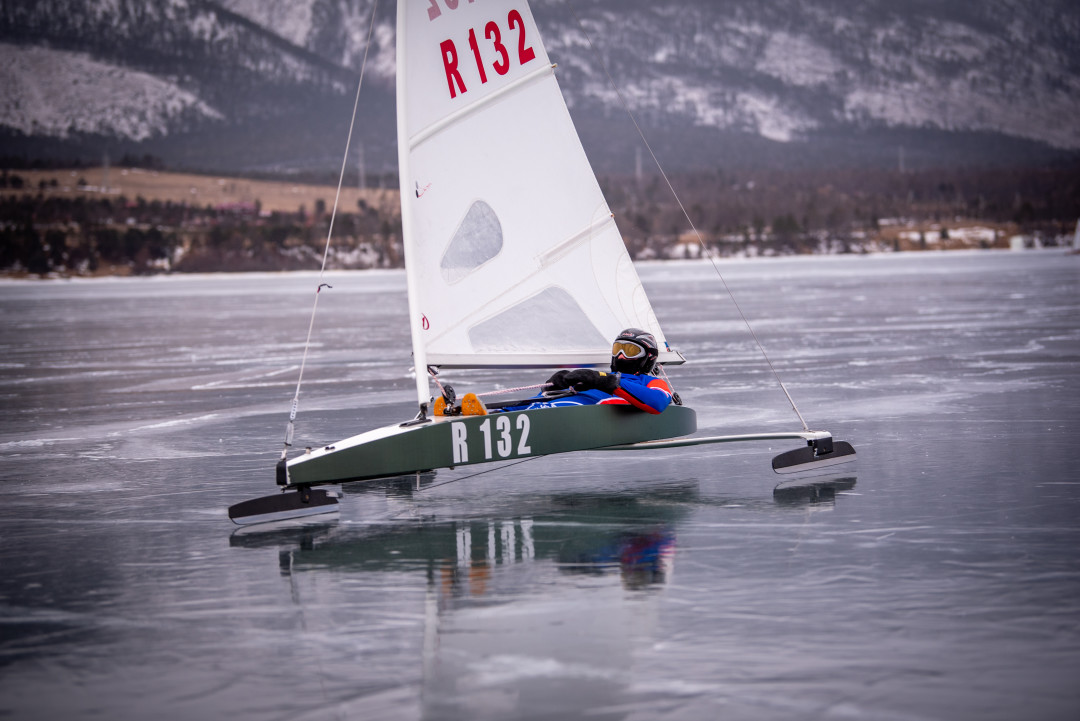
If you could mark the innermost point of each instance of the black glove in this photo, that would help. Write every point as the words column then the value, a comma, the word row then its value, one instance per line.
column 584, row 379
column 558, row 381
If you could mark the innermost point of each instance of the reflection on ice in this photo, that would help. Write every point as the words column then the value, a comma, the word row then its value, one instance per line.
column 538, row 603
column 631, row 534
column 810, row 492
column 510, row 619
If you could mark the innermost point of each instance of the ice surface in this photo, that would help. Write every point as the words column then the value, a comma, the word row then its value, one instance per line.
column 937, row 580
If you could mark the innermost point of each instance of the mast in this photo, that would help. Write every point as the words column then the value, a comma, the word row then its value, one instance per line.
column 412, row 280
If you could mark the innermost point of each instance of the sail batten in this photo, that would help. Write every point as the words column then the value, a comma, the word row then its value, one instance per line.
column 550, row 256
column 513, row 257
column 434, row 129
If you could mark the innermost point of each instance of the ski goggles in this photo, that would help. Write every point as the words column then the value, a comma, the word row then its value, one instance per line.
column 628, row 349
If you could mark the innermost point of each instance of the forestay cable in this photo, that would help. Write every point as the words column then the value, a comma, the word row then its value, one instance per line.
column 329, row 235
column 697, row 234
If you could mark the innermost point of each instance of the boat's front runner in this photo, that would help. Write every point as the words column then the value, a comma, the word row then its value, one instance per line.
column 284, row 506
column 450, row 441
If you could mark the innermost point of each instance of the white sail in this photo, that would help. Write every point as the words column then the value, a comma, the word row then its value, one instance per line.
column 512, row 254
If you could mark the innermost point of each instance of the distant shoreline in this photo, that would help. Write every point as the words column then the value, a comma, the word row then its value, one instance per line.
column 113, row 222
column 10, row 279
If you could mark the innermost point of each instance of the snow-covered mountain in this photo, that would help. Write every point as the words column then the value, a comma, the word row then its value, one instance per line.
column 269, row 83
column 59, row 93
column 786, row 67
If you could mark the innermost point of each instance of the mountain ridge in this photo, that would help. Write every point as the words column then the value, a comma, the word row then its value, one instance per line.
column 810, row 82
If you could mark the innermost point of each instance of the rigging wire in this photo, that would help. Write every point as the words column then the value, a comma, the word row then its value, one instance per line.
column 498, row 392
column 329, row 235
column 480, row 473
column 504, row 391
column 697, row 234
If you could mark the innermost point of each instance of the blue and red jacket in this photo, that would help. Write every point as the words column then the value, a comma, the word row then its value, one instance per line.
column 644, row 392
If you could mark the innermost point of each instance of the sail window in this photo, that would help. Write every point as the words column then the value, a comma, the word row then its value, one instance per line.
column 551, row 320
column 477, row 240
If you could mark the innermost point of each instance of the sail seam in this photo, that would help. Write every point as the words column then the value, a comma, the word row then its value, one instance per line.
column 440, row 125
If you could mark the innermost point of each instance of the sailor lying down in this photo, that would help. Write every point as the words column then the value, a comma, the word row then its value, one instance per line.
column 630, row 382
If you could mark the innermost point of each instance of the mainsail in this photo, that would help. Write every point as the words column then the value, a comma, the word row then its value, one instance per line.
column 513, row 257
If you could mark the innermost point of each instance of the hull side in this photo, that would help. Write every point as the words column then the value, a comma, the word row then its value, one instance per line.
column 468, row 440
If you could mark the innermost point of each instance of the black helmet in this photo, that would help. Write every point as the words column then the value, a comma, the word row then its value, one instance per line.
column 634, row 351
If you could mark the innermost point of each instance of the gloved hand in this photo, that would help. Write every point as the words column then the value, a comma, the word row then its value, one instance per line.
column 584, row 379
column 558, row 381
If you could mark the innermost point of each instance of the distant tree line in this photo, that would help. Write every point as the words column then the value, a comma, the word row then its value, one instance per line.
column 91, row 235
column 771, row 212
column 791, row 211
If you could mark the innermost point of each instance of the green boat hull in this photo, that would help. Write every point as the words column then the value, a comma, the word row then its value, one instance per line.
column 468, row 440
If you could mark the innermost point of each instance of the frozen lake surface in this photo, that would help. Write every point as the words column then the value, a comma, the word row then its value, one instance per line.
column 936, row 578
